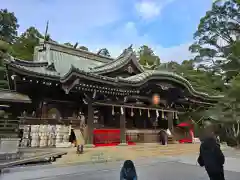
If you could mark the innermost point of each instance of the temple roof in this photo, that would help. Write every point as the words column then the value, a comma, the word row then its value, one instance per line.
column 54, row 61
column 63, row 58
column 126, row 57
column 11, row 96
column 138, row 80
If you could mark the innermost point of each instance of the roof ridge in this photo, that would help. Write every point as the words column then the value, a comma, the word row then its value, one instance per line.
column 78, row 50
column 28, row 63
column 122, row 55
column 121, row 60
column 151, row 73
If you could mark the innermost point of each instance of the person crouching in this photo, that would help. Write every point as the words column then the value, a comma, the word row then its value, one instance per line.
column 128, row 171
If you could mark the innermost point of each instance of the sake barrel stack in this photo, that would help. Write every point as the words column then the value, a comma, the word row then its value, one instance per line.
column 65, row 134
column 51, row 135
column 34, row 135
column 26, row 136
column 43, row 135
column 59, row 136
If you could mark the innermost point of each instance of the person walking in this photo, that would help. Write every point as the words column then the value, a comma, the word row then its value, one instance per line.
column 212, row 158
column 128, row 171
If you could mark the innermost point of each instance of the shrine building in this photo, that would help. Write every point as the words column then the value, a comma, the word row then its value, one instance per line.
column 111, row 100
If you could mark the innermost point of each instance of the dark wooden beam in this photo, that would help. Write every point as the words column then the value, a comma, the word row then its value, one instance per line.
column 135, row 106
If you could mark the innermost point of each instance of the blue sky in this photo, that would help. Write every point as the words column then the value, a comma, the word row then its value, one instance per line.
column 167, row 26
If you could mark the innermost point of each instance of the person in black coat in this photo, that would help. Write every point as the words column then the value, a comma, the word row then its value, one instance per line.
column 128, row 171
column 212, row 158
column 163, row 137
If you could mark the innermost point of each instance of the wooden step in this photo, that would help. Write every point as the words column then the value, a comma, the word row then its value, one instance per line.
column 171, row 140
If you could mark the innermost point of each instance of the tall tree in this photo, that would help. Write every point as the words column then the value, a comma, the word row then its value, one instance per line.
column 201, row 80
column 147, row 57
column 227, row 111
column 23, row 48
column 4, row 49
column 8, row 26
column 217, row 32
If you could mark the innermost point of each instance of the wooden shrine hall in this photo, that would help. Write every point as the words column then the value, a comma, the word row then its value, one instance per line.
column 108, row 99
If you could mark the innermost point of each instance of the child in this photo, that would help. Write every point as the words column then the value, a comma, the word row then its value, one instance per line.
column 128, row 171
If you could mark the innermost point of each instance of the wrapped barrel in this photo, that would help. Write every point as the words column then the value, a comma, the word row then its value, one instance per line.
column 59, row 136
column 34, row 136
column 34, row 140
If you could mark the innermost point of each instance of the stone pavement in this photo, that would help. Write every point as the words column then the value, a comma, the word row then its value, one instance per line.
column 117, row 153
column 232, row 160
column 150, row 168
column 169, row 165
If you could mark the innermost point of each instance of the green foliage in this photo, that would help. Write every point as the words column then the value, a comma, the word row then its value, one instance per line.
column 4, row 49
column 23, row 48
column 8, row 26
column 218, row 55
column 227, row 111
column 201, row 80
column 147, row 57
column 232, row 67
column 217, row 33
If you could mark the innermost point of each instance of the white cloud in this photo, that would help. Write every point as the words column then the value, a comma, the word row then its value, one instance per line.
column 149, row 9
column 176, row 53
column 128, row 34
column 74, row 21
column 65, row 17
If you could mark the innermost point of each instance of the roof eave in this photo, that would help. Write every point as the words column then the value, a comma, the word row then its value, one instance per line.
column 7, row 96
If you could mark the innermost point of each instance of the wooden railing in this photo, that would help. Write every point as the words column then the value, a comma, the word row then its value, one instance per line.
column 9, row 128
column 146, row 136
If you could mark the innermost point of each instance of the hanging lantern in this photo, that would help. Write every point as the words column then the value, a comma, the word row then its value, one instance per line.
column 122, row 110
column 157, row 114
column 113, row 110
column 155, row 99
column 132, row 113
column 148, row 113
column 140, row 112
column 162, row 114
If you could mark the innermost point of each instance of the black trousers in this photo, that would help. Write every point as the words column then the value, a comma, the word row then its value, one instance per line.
column 162, row 140
column 216, row 175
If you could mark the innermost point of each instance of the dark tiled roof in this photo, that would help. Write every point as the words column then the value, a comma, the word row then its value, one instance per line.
column 6, row 96
column 64, row 64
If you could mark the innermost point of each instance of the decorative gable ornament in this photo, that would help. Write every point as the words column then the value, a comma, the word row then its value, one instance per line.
column 130, row 69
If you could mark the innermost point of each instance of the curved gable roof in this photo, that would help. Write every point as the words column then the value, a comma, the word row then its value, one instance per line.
column 126, row 57
column 139, row 80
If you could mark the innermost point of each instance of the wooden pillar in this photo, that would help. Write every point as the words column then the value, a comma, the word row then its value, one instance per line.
column 90, row 124
column 122, row 127
column 170, row 121
column 44, row 109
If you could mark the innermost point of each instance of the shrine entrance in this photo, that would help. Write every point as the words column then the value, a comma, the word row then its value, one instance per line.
column 130, row 124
